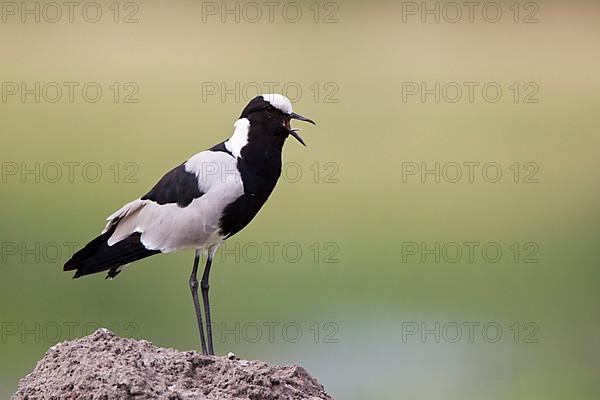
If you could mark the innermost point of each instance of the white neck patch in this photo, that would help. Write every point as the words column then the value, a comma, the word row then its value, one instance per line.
column 279, row 101
column 239, row 139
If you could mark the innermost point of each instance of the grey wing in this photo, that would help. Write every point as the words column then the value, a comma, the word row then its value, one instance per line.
column 184, row 208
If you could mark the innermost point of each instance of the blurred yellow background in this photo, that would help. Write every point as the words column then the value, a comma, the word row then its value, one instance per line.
column 364, row 307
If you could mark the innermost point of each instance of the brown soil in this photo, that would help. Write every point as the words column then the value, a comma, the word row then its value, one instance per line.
column 103, row 366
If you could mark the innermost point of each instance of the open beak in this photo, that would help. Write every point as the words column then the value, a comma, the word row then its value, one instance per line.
column 294, row 132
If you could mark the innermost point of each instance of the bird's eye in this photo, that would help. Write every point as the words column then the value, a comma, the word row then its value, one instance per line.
column 271, row 111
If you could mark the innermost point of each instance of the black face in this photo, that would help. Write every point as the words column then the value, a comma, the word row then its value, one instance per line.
column 266, row 110
column 274, row 121
column 257, row 104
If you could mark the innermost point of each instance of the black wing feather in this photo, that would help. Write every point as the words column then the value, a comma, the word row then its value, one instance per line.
column 98, row 256
column 176, row 186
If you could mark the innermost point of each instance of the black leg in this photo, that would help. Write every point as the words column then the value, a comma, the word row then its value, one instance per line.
column 204, row 287
column 194, row 289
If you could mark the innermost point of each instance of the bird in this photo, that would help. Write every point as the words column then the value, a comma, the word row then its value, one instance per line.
column 200, row 203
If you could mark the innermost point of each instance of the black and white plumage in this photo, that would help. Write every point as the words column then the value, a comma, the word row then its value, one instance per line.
column 200, row 203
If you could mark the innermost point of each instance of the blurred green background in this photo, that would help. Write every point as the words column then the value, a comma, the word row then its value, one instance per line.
column 351, row 202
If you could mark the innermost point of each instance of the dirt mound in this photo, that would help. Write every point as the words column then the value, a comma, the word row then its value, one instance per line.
column 103, row 366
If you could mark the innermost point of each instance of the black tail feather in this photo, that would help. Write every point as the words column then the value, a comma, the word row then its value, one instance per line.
column 98, row 256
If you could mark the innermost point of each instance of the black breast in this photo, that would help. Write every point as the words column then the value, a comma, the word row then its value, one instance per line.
column 259, row 167
column 259, row 180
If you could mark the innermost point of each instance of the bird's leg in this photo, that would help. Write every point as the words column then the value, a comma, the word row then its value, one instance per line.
column 204, row 287
column 194, row 289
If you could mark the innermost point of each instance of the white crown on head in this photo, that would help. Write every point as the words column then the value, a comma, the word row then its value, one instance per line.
column 279, row 101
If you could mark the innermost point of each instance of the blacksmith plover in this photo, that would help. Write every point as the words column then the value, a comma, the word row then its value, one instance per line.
column 200, row 203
